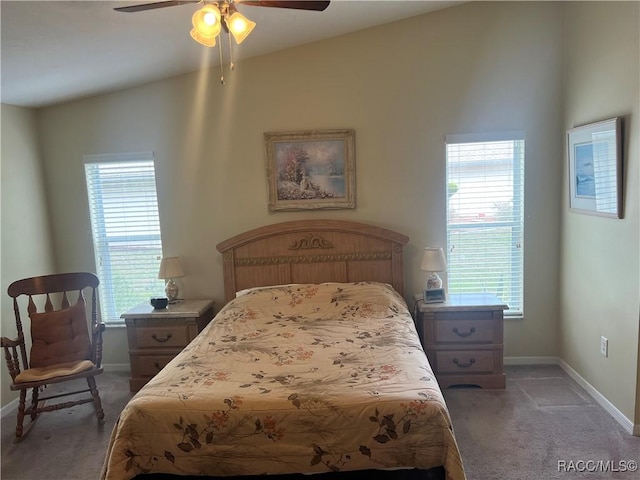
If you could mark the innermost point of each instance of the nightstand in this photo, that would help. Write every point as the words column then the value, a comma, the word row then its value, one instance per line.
column 463, row 339
column 156, row 336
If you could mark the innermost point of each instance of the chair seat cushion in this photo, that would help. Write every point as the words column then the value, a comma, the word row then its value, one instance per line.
column 53, row 371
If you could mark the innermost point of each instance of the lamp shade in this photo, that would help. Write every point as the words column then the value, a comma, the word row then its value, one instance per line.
column 206, row 25
column 170, row 268
column 201, row 39
column 239, row 26
column 433, row 260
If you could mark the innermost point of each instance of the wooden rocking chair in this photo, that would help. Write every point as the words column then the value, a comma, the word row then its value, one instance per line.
column 63, row 346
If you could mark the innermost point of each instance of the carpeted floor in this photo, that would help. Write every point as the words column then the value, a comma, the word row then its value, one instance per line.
column 540, row 428
column 537, row 428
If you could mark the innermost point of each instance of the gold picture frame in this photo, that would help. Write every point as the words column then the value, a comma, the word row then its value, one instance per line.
column 310, row 169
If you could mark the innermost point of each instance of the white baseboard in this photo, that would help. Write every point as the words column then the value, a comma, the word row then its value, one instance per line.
column 626, row 423
column 531, row 361
column 600, row 399
column 9, row 408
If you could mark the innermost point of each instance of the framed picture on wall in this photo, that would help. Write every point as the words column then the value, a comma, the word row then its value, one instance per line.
column 310, row 169
column 595, row 168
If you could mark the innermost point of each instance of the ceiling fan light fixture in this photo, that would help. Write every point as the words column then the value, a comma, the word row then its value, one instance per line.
column 206, row 22
column 202, row 39
column 239, row 26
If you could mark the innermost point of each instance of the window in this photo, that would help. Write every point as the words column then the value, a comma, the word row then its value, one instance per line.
column 485, row 221
column 126, row 229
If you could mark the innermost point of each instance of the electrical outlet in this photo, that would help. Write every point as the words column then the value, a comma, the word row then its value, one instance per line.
column 604, row 346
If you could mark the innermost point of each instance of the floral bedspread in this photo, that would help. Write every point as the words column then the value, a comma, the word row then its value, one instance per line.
column 299, row 378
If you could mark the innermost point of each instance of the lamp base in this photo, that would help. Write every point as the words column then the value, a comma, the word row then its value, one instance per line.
column 433, row 281
column 171, row 290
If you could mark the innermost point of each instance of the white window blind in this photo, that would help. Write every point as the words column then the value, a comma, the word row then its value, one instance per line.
column 126, row 229
column 485, row 220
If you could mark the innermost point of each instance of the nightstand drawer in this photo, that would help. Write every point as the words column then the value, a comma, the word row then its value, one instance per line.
column 162, row 336
column 464, row 331
column 463, row 339
column 155, row 337
column 150, row 365
column 466, row 361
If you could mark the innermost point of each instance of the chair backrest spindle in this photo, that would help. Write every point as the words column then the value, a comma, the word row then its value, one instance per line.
column 65, row 301
column 23, row 352
column 48, row 305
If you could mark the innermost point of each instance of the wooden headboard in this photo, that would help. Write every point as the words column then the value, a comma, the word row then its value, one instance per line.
column 312, row 251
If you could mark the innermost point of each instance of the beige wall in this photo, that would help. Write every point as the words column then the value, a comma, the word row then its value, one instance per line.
column 26, row 248
column 402, row 87
column 600, row 277
column 478, row 67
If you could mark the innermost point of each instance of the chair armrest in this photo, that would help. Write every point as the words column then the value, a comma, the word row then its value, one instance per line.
column 11, row 354
column 7, row 342
column 98, row 328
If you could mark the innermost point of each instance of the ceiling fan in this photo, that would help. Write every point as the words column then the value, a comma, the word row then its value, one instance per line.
column 217, row 15
column 222, row 14
column 298, row 5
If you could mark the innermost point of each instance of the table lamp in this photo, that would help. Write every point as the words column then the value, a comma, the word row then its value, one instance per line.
column 433, row 261
column 170, row 268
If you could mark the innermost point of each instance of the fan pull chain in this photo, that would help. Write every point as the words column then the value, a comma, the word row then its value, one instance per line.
column 232, row 66
column 221, row 64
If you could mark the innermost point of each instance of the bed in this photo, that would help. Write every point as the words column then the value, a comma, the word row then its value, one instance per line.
column 312, row 366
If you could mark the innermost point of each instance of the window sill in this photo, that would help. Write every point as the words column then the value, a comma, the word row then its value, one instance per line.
column 110, row 325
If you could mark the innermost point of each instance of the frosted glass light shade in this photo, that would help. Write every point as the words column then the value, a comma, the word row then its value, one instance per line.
column 206, row 25
column 201, row 39
column 239, row 26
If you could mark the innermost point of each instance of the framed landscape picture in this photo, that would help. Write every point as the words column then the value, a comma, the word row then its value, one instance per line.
column 310, row 169
column 595, row 168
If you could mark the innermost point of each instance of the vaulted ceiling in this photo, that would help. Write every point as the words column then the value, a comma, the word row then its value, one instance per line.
column 55, row 51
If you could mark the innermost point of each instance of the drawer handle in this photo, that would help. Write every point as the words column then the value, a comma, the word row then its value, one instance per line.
column 157, row 365
column 464, row 334
column 161, row 340
column 464, row 365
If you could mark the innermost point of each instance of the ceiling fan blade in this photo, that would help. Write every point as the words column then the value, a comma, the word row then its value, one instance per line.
column 152, row 6
column 318, row 6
